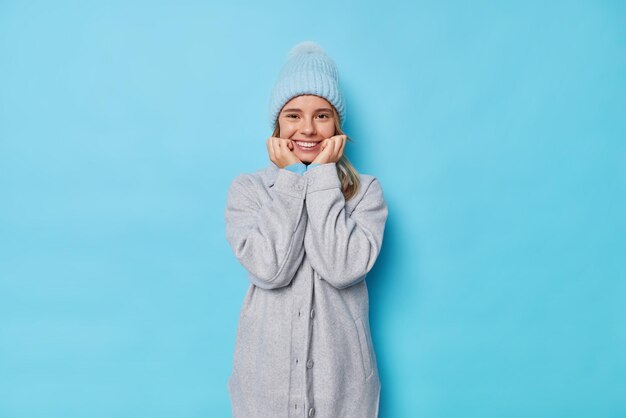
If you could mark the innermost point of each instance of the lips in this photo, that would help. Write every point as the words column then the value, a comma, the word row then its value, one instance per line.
column 307, row 145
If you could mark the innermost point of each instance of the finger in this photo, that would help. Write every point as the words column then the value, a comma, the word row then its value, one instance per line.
column 284, row 144
column 275, row 149
column 325, row 155
column 330, row 148
column 342, row 142
column 270, row 148
column 343, row 145
column 284, row 148
column 334, row 141
column 329, row 144
column 336, row 144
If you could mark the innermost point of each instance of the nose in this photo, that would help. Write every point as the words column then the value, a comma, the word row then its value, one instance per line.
column 308, row 127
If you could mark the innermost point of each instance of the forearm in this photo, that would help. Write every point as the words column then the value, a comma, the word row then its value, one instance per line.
column 268, row 238
column 342, row 247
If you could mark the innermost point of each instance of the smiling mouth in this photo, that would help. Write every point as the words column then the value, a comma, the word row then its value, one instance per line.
column 306, row 145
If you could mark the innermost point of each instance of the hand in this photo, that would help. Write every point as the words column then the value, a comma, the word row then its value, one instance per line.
column 280, row 151
column 332, row 149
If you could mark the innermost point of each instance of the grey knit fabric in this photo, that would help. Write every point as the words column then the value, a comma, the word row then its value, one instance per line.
column 303, row 345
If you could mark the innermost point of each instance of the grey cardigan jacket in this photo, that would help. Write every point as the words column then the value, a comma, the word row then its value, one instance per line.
column 303, row 346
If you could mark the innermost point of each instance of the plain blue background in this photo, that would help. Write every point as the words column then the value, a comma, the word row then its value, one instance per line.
column 497, row 130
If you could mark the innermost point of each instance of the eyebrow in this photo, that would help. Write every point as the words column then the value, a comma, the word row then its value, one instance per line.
column 299, row 110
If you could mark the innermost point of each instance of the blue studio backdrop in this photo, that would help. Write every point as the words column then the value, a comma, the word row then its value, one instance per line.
column 498, row 133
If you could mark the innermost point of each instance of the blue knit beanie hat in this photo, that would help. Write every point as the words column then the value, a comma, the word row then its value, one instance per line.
column 308, row 71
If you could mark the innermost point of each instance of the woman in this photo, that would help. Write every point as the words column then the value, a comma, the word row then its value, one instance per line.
column 308, row 228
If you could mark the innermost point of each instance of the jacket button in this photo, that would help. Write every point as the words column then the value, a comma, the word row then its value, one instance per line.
column 298, row 186
column 309, row 364
column 312, row 313
column 311, row 412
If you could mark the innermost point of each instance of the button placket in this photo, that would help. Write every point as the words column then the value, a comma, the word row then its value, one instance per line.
column 301, row 306
column 300, row 185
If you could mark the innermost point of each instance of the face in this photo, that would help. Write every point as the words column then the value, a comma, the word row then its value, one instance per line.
column 307, row 120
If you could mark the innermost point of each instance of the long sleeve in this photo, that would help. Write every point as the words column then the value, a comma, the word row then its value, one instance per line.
column 267, row 238
column 342, row 248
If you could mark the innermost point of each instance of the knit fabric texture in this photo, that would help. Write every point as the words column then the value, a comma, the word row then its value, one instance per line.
column 303, row 346
column 308, row 70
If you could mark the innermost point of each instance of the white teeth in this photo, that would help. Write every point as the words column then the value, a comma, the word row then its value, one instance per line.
column 306, row 144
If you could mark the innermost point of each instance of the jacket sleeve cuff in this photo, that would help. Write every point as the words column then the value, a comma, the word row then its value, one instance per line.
column 290, row 183
column 322, row 177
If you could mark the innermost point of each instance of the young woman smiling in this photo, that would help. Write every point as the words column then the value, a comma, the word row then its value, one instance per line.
column 318, row 122
column 307, row 229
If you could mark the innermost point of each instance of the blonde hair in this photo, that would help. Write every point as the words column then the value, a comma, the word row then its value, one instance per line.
column 348, row 175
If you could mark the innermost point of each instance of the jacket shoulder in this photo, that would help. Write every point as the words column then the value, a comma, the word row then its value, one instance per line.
column 243, row 190
column 366, row 194
column 367, row 180
column 250, row 179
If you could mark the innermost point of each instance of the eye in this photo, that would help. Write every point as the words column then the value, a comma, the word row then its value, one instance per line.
column 324, row 115
column 291, row 115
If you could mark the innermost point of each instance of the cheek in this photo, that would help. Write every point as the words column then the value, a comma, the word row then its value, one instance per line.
column 286, row 131
column 328, row 131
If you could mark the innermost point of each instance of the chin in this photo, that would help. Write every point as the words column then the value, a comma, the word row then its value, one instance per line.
column 307, row 160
